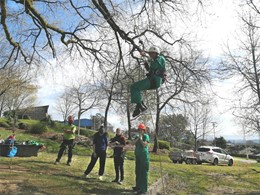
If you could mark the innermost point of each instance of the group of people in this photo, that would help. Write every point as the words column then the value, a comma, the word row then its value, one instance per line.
column 100, row 146
column 155, row 78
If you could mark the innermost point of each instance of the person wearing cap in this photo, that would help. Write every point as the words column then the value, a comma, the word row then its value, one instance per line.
column 142, row 159
column 117, row 143
column 100, row 143
column 154, row 79
column 68, row 141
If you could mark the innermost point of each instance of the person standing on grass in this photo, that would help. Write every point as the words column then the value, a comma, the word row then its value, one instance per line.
column 142, row 159
column 68, row 141
column 100, row 143
column 118, row 143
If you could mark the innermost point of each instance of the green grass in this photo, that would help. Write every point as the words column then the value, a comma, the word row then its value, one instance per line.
column 38, row 175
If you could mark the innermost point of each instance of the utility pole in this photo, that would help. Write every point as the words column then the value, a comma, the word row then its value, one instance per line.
column 214, row 131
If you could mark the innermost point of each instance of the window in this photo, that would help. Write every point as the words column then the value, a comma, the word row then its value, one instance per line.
column 203, row 149
column 217, row 150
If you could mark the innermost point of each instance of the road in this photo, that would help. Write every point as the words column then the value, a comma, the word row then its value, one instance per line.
column 245, row 160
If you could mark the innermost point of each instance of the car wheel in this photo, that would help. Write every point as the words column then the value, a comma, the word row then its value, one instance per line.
column 194, row 161
column 215, row 162
column 230, row 162
column 174, row 161
column 188, row 161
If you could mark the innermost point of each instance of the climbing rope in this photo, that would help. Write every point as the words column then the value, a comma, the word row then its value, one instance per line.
column 156, row 136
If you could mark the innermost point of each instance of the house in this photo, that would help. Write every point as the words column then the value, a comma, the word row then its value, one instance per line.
column 86, row 123
column 35, row 113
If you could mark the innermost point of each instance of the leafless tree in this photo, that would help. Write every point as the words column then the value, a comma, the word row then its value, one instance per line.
column 85, row 96
column 36, row 29
column 65, row 105
column 243, row 65
column 200, row 120
column 16, row 84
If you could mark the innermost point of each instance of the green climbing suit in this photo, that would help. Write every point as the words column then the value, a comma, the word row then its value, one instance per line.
column 142, row 159
column 153, row 80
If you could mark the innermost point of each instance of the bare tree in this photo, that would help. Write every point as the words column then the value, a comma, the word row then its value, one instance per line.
column 198, row 114
column 33, row 29
column 16, row 88
column 20, row 97
column 65, row 105
column 243, row 65
column 85, row 96
column 186, row 74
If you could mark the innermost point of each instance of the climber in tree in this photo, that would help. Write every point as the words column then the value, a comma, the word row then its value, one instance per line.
column 156, row 68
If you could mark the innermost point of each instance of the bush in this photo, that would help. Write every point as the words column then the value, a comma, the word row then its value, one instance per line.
column 4, row 124
column 164, row 144
column 87, row 132
column 49, row 121
column 23, row 126
column 39, row 128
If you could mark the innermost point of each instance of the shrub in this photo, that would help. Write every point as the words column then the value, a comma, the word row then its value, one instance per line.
column 39, row 128
column 4, row 124
column 23, row 126
column 49, row 121
column 87, row 132
column 164, row 144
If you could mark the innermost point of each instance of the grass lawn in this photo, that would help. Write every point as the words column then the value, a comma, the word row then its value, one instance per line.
column 39, row 175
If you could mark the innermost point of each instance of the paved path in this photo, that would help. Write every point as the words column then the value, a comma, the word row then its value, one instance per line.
column 245, row 160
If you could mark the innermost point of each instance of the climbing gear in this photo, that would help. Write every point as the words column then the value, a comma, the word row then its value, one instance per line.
column 159, row 73
column 154, row 49
column 141, row 126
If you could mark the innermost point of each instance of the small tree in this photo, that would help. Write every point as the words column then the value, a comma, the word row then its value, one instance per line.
column 220, row 142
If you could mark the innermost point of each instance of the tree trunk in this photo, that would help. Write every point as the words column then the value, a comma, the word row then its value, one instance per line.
column 156, row 146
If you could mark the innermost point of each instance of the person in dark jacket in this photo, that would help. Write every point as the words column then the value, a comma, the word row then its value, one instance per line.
column 118, row 143
column 100, row 143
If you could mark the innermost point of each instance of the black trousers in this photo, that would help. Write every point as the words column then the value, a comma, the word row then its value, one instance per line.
column 119, row 167
column 63, row 146
column 102, row 161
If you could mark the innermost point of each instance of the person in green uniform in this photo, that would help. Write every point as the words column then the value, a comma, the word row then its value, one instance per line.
column 142, row 159
column 68, row 140
column 154, row 79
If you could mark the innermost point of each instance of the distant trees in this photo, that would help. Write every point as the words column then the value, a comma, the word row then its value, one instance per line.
column 16, row 91
column 80, row 96
column 199, row 117
column 65, row 105
column 220, row 142
column 174, row 129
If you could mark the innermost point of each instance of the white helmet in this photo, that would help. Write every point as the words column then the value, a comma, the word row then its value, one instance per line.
column 154, row 49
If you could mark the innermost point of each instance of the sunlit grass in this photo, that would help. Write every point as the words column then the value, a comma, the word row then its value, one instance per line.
column 33, row 175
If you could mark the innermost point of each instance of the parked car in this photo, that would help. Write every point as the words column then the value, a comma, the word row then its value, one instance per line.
column 190, row 157
column 187, row 156
column 214, row 155
column 176, row 157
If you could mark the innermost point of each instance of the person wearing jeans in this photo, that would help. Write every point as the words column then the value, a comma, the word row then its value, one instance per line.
column 118, row 143
column 100, row 143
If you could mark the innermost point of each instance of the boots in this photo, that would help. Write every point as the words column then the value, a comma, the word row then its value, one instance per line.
column 140, row 107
